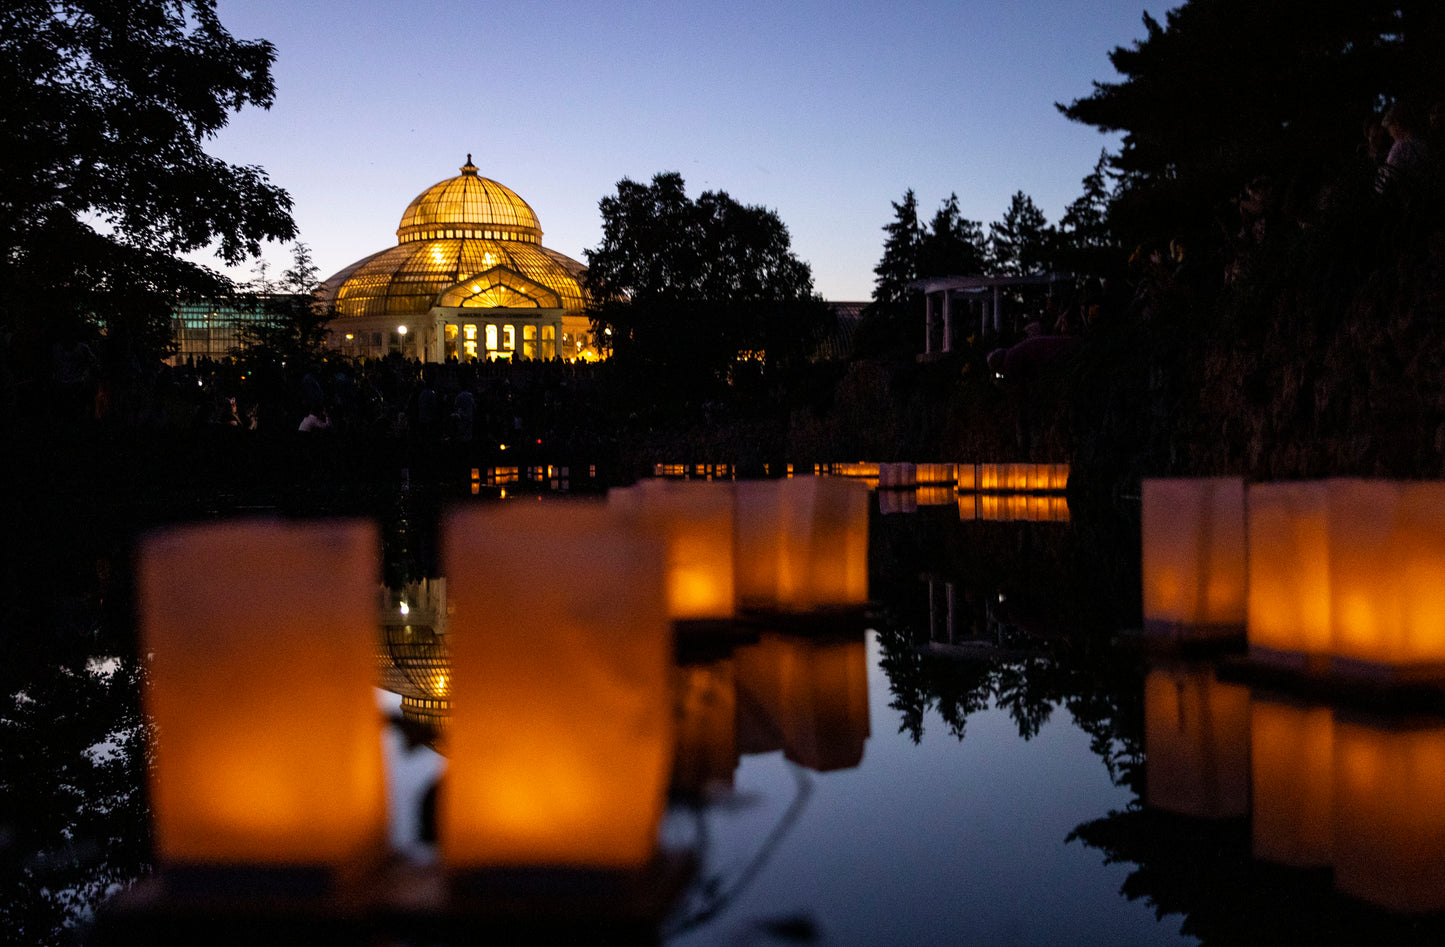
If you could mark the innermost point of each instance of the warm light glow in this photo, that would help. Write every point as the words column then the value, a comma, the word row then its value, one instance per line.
column 259, row 759
column 401, row 330
column 1196, row 743
column 694, row 519
column 563, row 728
column 1292, row 754
column 806, row 697
column 1194, row 555
column 1289, row 571
column 1389, row 839
column 802, row 543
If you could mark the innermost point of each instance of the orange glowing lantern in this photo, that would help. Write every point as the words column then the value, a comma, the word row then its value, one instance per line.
column 804, row 696
column 561, row 651
column 1292, row 759
column 1289, row 573
column 967, row 477
column 988, row 477
column 262, row 637
column 1194, row 556
column 1387, row 566
column 1390, row 812
column 1196, row 743
column 695, row 521
column 936, row 474
column 802, row 544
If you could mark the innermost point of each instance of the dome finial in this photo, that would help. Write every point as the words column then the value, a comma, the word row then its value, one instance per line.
column 469, row 168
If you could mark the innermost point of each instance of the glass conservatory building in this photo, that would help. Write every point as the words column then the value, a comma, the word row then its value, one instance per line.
column 468, row 278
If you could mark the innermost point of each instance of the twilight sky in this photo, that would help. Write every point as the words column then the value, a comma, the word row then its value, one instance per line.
column 823, row 112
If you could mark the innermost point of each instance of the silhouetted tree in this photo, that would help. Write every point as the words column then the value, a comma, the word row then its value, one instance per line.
column 697, row 286
column 1086, row 241
column 1227, row 90
column 952, row 245
column 1021, row 242
column 899, row 265
column 293, row 327
column 103, row 180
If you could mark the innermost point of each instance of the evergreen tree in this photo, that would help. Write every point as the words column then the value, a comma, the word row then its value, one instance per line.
column 899, row 265
column 1225, row 91
column 952, row 245
column 1022, row 242
column 1086, row 242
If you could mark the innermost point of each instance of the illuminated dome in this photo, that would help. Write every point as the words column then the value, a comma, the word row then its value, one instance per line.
column 469, row 253
column 469, row 205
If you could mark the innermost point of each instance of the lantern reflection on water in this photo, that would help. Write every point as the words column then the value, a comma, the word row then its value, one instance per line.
column 1194, row 557
column 269, row 748
column 1361, row 794
column 707, row 744
column 561, row 646
column 1196, row 739
column 1292, row 758
column 1389, row 840
column 805, row 696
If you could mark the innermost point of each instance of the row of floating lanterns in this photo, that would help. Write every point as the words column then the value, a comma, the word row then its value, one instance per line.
column 1360, row 795
column 561, row 634
column 1343, row 577
column 985, row 478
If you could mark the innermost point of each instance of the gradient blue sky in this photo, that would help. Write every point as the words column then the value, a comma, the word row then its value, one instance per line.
column 824, row 112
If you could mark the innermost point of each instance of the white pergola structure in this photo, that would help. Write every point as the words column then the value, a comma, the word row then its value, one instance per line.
column 984, row 294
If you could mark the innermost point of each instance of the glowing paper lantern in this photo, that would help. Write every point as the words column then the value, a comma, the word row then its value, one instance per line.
column 1196, row 743
column 695, row 521
column 1390, row 812
column 268, row 754
column 989, row 477
column 804, row 696
column 967, row 477
column 1289, row 573
column 1292, row 759
column 802, row 544
column 561, row 651
column 932, row 474
column 1194, row 556
column 1387, row 569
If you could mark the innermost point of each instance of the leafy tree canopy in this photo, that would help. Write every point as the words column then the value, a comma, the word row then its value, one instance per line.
column 698, row 283
column 103, row 179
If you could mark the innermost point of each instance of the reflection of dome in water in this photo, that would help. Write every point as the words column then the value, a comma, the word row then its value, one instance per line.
column 413, row 659
column 469, row 255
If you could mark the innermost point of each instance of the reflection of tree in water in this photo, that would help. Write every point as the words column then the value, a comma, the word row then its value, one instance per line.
column 73, row 818
column 1033, row 609
column 1202, row 870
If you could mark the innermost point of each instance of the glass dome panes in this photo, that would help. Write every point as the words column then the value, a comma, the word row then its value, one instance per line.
column 407, row 279
column 469, row 206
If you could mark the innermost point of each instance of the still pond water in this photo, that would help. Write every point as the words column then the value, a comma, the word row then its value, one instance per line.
column 987, row 784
